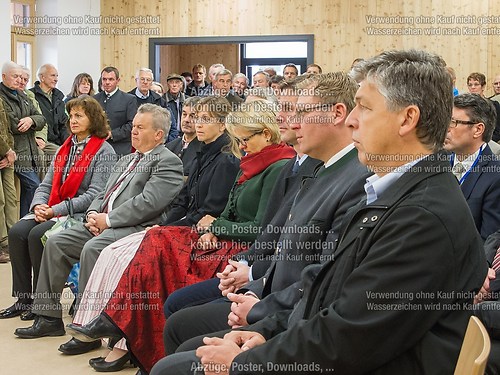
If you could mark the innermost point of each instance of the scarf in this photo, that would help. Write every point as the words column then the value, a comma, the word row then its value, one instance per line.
column 252, row 164
column 77, row 172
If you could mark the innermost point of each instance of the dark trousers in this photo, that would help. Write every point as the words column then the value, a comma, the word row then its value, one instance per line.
column 195, row 322
column 26, row 251
column 29, row 182
column 192, row 295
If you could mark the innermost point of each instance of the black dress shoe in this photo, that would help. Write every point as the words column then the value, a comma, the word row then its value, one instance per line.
column 103, row 366
column 42, row 327
column 75, row 346
column 28, row 315
column 99, row 328
column 15, row 310
column 95, row 360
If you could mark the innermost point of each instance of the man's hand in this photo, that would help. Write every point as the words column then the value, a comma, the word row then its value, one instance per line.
column 208, row 241
column 241, row 305
column 245, row 339
column 11, row 157
column 217, row 355
column 484, row 293
column 233, row 277
column 40, row 143
column 96, row 223
column 25, row 124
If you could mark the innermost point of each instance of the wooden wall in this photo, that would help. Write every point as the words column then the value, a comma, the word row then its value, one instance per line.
column 341, row 28
column 178, row 59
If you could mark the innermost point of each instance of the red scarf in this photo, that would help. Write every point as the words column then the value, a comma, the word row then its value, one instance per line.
column 69, row 188
column 252, row 164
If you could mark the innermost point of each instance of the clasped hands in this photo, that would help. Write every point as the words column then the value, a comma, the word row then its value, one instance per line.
column 233, row 277
column 43, row 213
column 96, row 222
column 484, row 293
column 217, row 354
column 207, row 241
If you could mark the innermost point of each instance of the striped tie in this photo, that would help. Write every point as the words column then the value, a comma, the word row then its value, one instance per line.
column 496, row 260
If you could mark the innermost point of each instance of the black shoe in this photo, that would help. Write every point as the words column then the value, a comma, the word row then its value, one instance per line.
column 42, row 327
column 99, row 328
column 15, row 310
column 103, row 366
column 75, row 346
column 28, row 315
column 95, row 360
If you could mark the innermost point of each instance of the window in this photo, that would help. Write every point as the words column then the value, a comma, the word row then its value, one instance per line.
column 22, row 35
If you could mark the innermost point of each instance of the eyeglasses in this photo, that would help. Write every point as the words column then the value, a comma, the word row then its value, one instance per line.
column 243, row 141
column 454, row 123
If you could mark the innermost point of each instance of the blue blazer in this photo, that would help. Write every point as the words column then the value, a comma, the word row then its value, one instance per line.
column 481, row 189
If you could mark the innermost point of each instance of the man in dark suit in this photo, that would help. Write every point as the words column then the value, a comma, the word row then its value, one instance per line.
column 473, row 163
column 174, row 97
column 138, row 190
column 407, row 257
column 143, row 94
column 120, row 107
column 318, row 208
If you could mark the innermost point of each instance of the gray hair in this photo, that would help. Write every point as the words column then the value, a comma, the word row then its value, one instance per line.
column 417, row 78
column 223, row 72
column 478, row 109
column 268, row 77
column 241, row 75
column 10, row 65
column 161, row 117
column 43, row 69
column 146, row 70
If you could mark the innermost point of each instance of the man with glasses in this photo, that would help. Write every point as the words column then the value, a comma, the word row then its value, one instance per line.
column 473, row 163
column 120, row 107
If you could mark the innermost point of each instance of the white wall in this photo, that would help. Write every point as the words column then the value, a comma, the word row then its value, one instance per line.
column 5, row 45
column 71, row 54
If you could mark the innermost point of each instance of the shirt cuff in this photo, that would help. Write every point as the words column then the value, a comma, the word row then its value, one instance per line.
column 108, row 223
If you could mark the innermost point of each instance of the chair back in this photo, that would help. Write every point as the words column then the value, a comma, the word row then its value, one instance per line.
column 475, row 349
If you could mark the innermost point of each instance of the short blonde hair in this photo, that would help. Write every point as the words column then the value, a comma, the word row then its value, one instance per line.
column 256, row 116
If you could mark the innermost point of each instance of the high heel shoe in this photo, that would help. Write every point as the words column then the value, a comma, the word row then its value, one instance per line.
column 103, row 366
column 99, row 328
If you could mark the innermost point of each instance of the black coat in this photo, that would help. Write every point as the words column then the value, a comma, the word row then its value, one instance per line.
column 398, row 295
column 154, row 98
column 120, row 109
column 188, row 155
column 54, row 113
column 206, row 191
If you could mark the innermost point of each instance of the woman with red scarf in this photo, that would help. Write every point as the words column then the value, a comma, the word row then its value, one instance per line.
column 78, row 172
column 173, row 257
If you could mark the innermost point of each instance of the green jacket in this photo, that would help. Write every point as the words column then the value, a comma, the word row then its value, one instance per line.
column 6, row 138
column 247, row 203
column 17, row 106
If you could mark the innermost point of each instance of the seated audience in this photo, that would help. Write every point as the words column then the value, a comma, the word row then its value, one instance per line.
column 78, row 173
column 180, row 256
column 205, row 193
column 346, row 316
column 139, row 189
column 473, row 163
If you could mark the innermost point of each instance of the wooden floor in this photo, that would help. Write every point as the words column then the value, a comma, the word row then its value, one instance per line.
column 37, row 356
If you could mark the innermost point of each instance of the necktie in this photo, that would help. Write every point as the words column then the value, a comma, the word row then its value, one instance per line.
column 295, row 168
column 117, row 184
column 496, row 260
column 457, row 170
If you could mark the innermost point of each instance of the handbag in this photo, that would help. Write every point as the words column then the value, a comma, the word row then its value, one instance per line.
column 61, row 224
